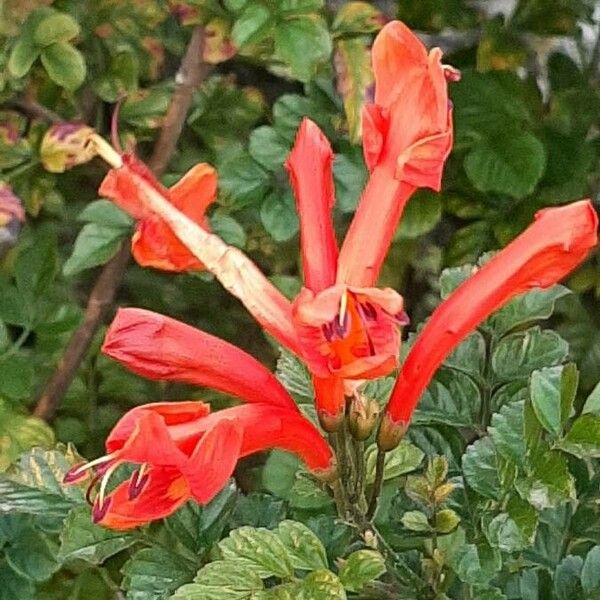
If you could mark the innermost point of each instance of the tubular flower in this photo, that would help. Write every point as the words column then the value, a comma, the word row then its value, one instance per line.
column 557, row 241
column 407, row 136
column 344, row 332
column 153, row 243
column 161, row 348
column 183, row 452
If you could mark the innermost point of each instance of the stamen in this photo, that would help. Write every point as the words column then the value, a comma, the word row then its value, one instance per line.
column 91, row 487
column 327, row 331
column 114, row 126
column 340, row 328
column 104, row 481
column 402, row 318
column 79, row 472
column 137, row 482
column 100, row 509
column 343, row 307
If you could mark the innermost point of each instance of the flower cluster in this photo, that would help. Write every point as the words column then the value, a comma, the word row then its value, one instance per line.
column 344, row 328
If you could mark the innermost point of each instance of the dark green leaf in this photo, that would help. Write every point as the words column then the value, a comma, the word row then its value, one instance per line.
column 305, row 549
column 421, row 215
column 590, row 572
column 583, row 438
column 268, row 148
column 567, row 584
column 481, row 468
column 278, row 215
column 105, row 212
column 65, row 65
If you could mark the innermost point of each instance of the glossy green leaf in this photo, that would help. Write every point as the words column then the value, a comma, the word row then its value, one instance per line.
column 252, row 25
column 481, row 468
column 305, row 549
column 321, row 585
column 406, row 457
column 360, row 568
column 57, row 27
column 65, row 65
column 583, row 438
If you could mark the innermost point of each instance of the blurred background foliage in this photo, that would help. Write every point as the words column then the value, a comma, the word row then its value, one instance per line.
column 527, row 125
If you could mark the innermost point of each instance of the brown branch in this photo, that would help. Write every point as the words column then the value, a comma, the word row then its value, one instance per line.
column 189, row 77
column 34, row 110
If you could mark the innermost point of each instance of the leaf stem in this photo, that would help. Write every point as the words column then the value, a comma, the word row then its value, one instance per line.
column 377, row 484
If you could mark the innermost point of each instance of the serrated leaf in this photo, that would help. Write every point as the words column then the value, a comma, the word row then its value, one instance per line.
column 583, row 438
column 222, row 580
column 406, row 457
column 65, row 65
column 244, row 180
column 481, row 468
column 95, row 245
column 32, row 555
column 228, row 229
column 303, row 44
column 507, row 430
column 57, row 27
column 155, row 573
column 321, row 585
column 415, row 520
column 294, row 375
column 360, row 568
column 18, row 433
column 305, row 549
column 84, row 540
column 258, row 547
column 258, row 510
column 268, row 148
column 518, row 354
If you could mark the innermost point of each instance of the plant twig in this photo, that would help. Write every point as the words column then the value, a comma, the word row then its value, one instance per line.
column 189, row 77
column 34, row 110
column 377, row 484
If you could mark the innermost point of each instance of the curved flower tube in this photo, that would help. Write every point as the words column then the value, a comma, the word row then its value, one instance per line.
column 183, row 452
column 131, row 185
column 557, row 241
column 161, row 348
column 407, row 136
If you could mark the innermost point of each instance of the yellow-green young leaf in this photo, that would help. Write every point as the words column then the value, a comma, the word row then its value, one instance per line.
column 222, row 580
column 65, row 65
column 303, row 44
column 415, row 520
column 354, row 75
column 18, row 433
column 360, row 568
column 305, row 549
column 22, row 56
column 417, row 489
column 356, row 18
column 437, row 471
column 58, row 27
column 321, row 585
column 81, row 539
column 260, row 548
column 446, row 520
column 252, row 25
column 406, row 457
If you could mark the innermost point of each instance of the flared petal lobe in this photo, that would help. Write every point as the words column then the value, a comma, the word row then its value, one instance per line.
column 309, row 168
column 407, row 136
column 558, row 240
column 161, row 348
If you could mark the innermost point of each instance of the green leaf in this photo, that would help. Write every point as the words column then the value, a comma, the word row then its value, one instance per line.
column 452, row 398
column 321, row 585
column 33, row 555
column 446, row 520
column 294, row 375
column 509, row 164
column 592, row 404
column 532, row 306
column 258, row 510
column 518, row 354
column 503, row 533
column 299, row 6
column 469, row 356
column 18, row 433
column 244, row 180
column 65, row 65
column 278, row 215
column 350, row 176
column 279, row 473
column 82, row 539
column 121, row 78
column 360, row 568
column 252, row 25
column 406, row 457
column 524, row 516
column 268, row 148
column 155, row 573
column 303, row 44
column 421, row 215
column 307, row 495
column 16, row 376
column 23, row 55
column 95, row 245
column 583, row 438
column 105, row 212
column 260, row 548
column 567, row 584
column 507, row 430
column 57, row 27
column 481, row 468
column 552, row 394
column 14, row 585
column 415, row 520
column 590, row 572
column 305, row 549
column 222, row 580
column 227, row 228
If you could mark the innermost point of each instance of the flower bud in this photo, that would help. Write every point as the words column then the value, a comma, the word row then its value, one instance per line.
column 390, row 433
column 12, row 215
column 66, row 145
column 363, row 416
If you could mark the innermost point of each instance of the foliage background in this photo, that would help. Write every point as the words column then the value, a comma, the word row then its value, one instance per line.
column 526, row 120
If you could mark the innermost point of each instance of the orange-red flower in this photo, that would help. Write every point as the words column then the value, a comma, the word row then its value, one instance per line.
column 153, row 243
column 558, row 240
column 12, row 215
column 407, row 136
column 183, row 452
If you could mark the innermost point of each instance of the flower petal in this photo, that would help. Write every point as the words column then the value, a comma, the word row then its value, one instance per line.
column 309, row 168
column 558, row 240
column 329, row 401
column 161, row 348
column 212, row 463
column 195, row 192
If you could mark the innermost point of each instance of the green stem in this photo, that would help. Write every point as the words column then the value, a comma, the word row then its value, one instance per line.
column 377, row 484
column 17, row 344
